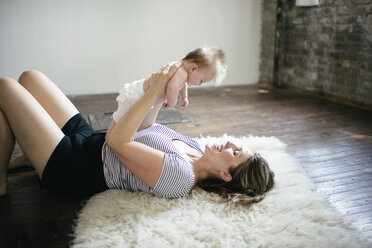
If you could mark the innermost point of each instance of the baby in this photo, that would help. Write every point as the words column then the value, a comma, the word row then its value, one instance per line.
column 199, row 66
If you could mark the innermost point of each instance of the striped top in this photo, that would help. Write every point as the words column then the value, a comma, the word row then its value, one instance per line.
column 177, row 176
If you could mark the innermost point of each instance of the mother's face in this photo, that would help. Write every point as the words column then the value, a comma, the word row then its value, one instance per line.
column 227, row 155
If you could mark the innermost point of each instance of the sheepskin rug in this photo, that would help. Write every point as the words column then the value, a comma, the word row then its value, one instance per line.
column 293, row 214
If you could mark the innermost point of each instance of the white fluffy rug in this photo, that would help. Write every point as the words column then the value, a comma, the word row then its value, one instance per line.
column 291, row 215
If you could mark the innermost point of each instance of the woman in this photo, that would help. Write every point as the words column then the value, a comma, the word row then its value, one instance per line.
column 72, row 160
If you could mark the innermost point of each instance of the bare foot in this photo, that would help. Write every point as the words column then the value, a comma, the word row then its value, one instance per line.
column 19, row 162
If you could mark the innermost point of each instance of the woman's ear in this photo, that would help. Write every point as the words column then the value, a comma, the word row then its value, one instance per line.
column 225, row 176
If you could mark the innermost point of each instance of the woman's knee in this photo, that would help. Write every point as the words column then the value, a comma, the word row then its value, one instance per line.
column 29, row 76
column 6, row 85
column 6, row 82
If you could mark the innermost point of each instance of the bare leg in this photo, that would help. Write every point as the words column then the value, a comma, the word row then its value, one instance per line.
column 51, row 108
column 35, row 130
column 6, row 148
column 58, row 106
column 50, row 97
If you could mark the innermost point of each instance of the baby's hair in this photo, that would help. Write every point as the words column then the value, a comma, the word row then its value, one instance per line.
column 209, row 56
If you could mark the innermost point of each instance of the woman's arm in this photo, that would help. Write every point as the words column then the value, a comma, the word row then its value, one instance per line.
column 151, row 116
column 112, row 125
column 145, row 162
column 147, row 122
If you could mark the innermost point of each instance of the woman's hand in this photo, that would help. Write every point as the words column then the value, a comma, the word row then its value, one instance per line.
column 157, row 83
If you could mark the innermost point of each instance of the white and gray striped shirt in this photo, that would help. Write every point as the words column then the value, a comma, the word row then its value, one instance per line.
column 177, row 176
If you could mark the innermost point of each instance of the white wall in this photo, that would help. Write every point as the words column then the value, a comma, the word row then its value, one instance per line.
column 94, row 46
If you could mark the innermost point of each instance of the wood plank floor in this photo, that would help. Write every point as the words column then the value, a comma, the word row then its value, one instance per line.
column 332, row 142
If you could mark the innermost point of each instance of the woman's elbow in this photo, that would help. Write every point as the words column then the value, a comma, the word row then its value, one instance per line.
column 111, row 141
column 116, row 144
column 107, row 137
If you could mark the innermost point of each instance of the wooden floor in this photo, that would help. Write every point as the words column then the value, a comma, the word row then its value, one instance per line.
column 333, row 143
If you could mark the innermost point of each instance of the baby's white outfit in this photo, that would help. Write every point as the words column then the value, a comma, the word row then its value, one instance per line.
column 128, row 95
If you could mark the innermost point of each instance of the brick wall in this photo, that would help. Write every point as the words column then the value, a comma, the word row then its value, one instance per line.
column 325, row 49
column 268, row 23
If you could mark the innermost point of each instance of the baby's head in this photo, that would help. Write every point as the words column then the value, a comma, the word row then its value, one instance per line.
column 205, row 65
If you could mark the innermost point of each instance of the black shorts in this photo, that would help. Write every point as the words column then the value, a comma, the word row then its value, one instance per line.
column 75, row 168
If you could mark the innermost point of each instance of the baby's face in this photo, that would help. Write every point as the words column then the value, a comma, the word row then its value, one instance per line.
column 200, row 75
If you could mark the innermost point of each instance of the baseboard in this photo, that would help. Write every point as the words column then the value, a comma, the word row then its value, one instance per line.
column 337, row 99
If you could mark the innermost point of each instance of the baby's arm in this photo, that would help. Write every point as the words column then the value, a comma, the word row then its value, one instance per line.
column 176, row 83
column 183, row 95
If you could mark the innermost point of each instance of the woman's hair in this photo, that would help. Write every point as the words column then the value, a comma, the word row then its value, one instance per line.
column 250, row 180
column 209, row 57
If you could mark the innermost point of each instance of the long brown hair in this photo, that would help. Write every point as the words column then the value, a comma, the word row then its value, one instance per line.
column 250, row 180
